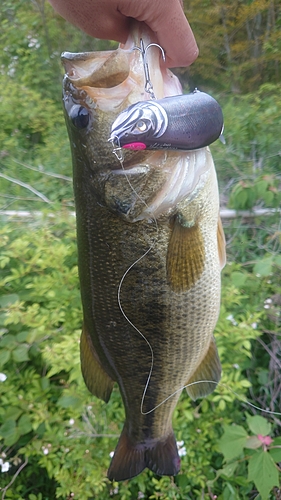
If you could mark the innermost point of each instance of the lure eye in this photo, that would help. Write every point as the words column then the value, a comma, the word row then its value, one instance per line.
column 141, row 126
column 79, row 116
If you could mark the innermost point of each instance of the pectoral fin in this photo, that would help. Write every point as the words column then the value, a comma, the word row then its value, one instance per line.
column 221, row 244
column 185, row 255
column 96, row 379
column 209, row 370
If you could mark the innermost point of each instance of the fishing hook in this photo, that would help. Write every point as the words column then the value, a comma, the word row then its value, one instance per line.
column 148, row 87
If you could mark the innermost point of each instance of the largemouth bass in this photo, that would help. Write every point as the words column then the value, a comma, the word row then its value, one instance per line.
column 150, row 252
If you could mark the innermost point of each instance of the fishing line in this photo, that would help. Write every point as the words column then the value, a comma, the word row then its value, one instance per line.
column 123, row 278
column 221, row 384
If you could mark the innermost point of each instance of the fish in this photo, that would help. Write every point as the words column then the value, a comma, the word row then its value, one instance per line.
column 150, row 252
column 190, row 121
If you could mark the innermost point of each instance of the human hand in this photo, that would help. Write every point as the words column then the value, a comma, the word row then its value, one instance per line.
column 110, row 19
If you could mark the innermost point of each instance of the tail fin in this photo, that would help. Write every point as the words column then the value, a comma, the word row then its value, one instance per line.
column 129, row 460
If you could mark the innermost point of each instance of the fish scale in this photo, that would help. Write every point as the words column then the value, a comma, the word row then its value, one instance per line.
column 159, row 251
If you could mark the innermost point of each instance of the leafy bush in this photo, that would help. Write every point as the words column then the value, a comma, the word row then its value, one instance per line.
column 260, row 461
column 264, row 191
column 251, row 156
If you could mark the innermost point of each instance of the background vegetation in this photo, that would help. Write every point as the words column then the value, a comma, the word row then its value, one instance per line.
column 55, row 438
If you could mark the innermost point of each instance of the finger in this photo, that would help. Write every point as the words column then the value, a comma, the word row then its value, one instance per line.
column 180, row 50
column 167, row 19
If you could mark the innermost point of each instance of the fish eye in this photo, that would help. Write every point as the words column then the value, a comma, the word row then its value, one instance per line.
column 79, row 116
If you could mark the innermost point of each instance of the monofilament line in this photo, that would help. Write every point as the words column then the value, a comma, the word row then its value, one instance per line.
column 134, row 326
column 245, row 401
column 121, row 283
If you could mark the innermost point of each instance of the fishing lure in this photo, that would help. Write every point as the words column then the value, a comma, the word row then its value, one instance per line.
column 184, row 122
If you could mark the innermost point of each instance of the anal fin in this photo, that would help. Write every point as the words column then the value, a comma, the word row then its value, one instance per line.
column 209, row 370
column 185, row 256
column 129, row 460
column 95, row 377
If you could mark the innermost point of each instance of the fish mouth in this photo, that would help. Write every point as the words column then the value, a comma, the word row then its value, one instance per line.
column 106, row 77
column 96, row 69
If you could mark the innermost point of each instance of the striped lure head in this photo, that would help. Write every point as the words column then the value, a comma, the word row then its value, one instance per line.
column 140, row 124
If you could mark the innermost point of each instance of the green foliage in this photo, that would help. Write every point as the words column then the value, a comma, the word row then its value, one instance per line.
column 33, row 118
column 264, row 191
column 34, row 146
column 260, row 463
column 62, row 436
column 248, row 165
column 239, row 43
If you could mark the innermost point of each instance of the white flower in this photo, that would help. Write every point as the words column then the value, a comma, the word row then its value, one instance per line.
column 3, row 377
column 231, row 318
column 11, row 71
column 4, row 466
column 254, row 325
column 181, row 448
column 111, row 454
column 33, row 42
column 114, row 491
column 182, row 451
column 71, row 421
column 45, row 450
